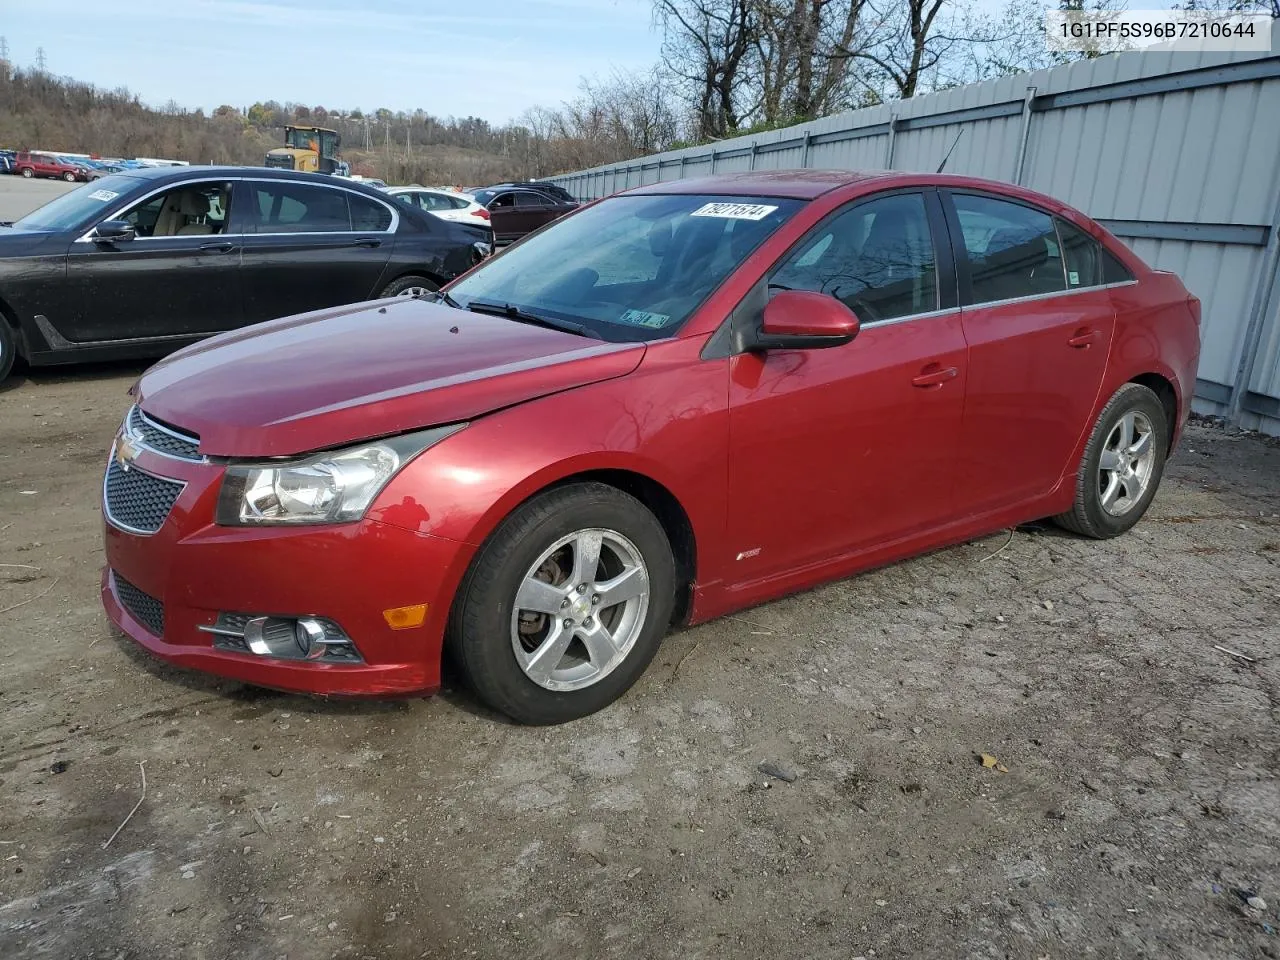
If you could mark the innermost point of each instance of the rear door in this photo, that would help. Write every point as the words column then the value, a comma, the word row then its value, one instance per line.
column 178, row 277
column 1039, row 325
column 310, row 245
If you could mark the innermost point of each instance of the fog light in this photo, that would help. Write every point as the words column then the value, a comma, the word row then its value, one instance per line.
column 283, row 638
column 308, row 634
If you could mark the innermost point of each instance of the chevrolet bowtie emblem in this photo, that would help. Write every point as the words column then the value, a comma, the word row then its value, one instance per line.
column 126, row 451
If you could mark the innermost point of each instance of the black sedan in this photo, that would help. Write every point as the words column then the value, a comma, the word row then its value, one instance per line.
column 142, row 262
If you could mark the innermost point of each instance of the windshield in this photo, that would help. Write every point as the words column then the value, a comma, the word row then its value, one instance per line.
column 79, row 207
column 302, row 139
column 630, row 267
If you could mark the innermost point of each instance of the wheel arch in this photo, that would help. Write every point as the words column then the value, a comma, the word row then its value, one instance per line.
column 1164, row 388
column 10, row 316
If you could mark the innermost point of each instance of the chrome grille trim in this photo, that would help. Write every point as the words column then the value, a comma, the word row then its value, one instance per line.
column 160, row 438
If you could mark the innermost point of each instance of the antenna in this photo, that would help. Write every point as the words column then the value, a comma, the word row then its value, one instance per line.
column 953, row 146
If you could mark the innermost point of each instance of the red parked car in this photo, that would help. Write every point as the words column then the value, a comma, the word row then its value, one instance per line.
column 32, row 164
column 677, row 402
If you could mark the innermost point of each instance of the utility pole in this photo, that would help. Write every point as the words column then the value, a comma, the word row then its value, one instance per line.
column 407, row 147
column 4, row 49
column 40, row 61
column 388, row 146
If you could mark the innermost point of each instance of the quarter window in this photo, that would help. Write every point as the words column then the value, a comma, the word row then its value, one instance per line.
column 1081, row 254
column 877, row 258
column 1012, row 249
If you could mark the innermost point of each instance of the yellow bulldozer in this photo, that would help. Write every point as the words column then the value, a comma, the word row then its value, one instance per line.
column 313, row 149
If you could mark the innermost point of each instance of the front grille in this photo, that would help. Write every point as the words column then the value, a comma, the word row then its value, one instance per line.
column 137, row 501
column 143, row 607
column 161, row 437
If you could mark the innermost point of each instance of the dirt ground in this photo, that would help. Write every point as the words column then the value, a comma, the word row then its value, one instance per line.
column 1142, row 790
column 1139, row 810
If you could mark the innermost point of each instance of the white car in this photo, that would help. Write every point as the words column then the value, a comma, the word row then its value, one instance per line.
column 444, row 204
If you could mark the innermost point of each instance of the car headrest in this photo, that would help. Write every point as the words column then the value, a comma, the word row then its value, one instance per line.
column 660, row 238
column 193, row 205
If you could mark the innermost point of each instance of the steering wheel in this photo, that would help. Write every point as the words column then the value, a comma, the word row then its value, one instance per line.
column 858, row 303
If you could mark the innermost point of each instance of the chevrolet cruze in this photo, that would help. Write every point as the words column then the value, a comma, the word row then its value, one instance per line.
column 675, row 402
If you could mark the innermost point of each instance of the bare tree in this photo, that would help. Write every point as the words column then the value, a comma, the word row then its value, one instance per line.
column 706, row 49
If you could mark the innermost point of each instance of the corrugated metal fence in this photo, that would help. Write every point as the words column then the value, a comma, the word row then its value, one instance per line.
column 1176, row 153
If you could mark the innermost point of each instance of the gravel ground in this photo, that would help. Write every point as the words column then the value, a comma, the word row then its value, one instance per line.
column 19, row 196
column 1141, row 790
column 1134, row 809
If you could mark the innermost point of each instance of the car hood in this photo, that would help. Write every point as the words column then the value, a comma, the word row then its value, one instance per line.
column 321, row 380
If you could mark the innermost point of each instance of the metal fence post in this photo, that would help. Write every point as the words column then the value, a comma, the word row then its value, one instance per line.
column 1027, row 109
column 754, row 146
column 682, row 159
column 713, row 159
column 804, row 150
column 893, row 132
column 1263, row 300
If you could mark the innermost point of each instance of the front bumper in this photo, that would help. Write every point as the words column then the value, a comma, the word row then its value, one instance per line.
column 347, row 573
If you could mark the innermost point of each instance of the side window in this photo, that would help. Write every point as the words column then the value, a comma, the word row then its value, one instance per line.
column 1013, row 250
column 298, row 208
column 197, row 209
column 1082, row 255
column 503, row 200
column 368, row 215
column 530, row 200
column 876, row 257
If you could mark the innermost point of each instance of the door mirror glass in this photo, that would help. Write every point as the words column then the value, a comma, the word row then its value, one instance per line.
column 113, row 231
column 804, row 320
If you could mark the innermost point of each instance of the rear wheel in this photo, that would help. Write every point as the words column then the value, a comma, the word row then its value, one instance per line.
column 409, row 287
column 69, row 177
column 1122, row 465
column 28, row 172
column 565, row 605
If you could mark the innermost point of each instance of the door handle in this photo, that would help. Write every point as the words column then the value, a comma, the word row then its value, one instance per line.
column 1084, row 337
column 368, row 242
column 934, row 376
column 221, row 246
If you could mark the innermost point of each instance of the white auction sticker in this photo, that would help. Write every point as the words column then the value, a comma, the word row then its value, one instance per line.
column 103, row 195
column 734, row 211
column 645, row 319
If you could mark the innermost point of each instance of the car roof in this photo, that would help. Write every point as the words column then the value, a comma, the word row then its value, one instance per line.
column 810, row 184
column 161, row 175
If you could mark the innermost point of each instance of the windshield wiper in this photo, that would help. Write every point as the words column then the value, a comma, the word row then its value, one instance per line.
column 512, row 312
column 439, row 296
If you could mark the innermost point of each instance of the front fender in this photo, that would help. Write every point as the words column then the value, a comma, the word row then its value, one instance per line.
column 667, row 421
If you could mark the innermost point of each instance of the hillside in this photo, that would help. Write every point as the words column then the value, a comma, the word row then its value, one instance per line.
column 39, row 111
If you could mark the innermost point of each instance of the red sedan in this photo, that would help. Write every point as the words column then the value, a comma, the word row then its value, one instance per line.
column 674, row 403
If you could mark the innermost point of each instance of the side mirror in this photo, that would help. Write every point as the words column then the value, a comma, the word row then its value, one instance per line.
column 805, row 320
column 113, row 231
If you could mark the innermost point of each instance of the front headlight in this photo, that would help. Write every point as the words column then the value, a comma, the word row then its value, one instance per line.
column 332, row 487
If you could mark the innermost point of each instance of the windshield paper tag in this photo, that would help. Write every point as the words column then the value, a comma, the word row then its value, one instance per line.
column 734, row 211
column 644, row 319
column 103, row 195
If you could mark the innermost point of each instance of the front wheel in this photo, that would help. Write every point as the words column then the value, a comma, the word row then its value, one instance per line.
column 1122, row 465
column 408, row 287
column 69, row 177
column 28, row 172
column 8, row 349
column 565, row 605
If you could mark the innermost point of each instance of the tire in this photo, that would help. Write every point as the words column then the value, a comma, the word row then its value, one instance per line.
column 410, row 286
column 1131, row 482
column 8, row 349
column 28, row 172
column 69, row 177
column 489, row 636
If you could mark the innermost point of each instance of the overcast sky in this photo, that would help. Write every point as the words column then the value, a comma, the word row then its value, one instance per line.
column 487, row 58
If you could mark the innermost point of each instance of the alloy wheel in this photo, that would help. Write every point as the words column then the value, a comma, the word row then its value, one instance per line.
column 1126, row 464
column 580, row 609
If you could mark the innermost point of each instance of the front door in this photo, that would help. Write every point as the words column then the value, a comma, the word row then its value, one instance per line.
column 839, row 450
column 309, row 246
column 178, row 277
column 1039, row 326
